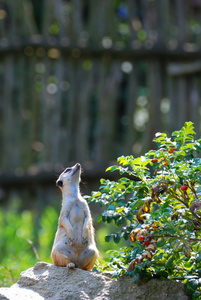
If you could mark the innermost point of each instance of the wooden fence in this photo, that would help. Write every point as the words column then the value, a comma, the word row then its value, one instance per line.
column 90, row 80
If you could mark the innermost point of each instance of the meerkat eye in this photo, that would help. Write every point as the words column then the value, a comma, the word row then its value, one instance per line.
column 67, row 170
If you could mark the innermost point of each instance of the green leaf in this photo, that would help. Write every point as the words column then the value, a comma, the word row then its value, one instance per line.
column 160, row 134
column 96, row 194
column 187, row 249
column 185, row 134
column 161, row 273
column 112, row 168
column 177, row 246
column 161, row 242
column 198, row 258
column 169, row 263
column 116, row 238
column 108, row 238
column 191, row 286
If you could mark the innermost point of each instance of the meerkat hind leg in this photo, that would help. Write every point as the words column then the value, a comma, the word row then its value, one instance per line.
column 87, row 259
column 62, row 256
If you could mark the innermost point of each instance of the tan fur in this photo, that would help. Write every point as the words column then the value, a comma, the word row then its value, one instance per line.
column 74, row 243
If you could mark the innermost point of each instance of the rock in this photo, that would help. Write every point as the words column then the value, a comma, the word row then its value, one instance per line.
column 46, row 281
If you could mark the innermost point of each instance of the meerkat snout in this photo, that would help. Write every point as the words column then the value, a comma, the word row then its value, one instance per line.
column 76, row 168
column 69, row 175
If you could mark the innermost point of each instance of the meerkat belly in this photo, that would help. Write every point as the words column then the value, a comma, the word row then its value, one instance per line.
column 76, row 218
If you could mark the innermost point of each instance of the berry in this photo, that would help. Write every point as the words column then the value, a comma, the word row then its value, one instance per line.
column 154, row 160
column 172, row 150
column 141, row 237
column 146, row 243
column 165, row 163
column 184, row 187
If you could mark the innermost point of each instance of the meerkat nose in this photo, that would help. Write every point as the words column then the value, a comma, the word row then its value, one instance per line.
column 59, row 183
column 78, row 165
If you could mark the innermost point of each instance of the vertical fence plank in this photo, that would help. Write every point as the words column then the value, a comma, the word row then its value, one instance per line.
column 77, row 18
column 163, row 25
column 45, row 106
column 48, row 17
column 195, row 103
column 130, row 135
column 107, row 106
column 172, row 93
column 180, row 9
column 4, row 15
column 154, row 84
column 62, row 19
column 11, row 34
column 67, row 108
column 182, row 101
column 27, row 78
column 2, row 109
column 8, row 129
column 92, row 26
column 55, row 119
column 101, row 109
column 82, row 132
column 133, row 20
column 73, row 107
column 17, row 108
column 99, row 11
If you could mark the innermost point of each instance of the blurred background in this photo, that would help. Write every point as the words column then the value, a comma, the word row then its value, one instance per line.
column 84, row 81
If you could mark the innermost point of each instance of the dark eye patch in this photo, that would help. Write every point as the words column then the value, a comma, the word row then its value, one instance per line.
column 67, row 170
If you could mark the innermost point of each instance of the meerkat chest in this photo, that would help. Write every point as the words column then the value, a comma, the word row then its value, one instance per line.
column 76, row 215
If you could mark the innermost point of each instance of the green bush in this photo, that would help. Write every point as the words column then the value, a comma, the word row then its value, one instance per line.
column 157, row 206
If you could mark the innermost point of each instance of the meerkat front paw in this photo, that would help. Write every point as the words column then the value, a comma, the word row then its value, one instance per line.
column 71, row 265
column 84, row 241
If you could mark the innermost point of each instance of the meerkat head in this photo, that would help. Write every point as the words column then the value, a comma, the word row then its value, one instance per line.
column 69, row 176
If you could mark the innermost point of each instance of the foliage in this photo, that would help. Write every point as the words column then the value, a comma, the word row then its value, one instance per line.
column 157, row 205
column 19, row 247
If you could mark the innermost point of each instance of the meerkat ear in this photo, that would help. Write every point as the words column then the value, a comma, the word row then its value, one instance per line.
column 59, row 183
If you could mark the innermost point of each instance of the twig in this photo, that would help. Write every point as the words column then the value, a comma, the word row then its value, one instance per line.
column 177, row 278
column 34, row 249
column 175, row 236
column 185, row 204
column 193, row 190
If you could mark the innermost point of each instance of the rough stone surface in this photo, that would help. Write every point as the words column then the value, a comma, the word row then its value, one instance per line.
column 45, row 281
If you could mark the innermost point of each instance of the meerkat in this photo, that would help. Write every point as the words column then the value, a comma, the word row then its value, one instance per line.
column 74, row 244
